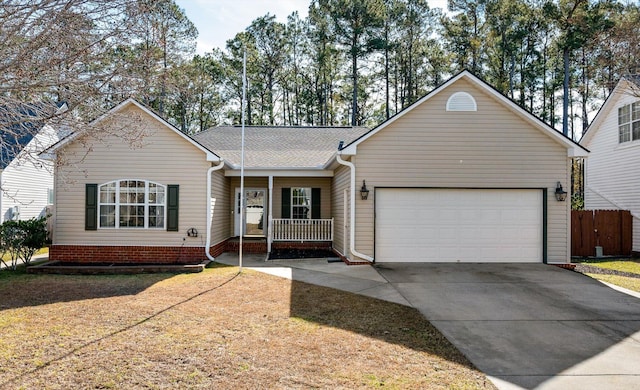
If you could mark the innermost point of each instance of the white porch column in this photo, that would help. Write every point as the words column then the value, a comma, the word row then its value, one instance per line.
column 270, row 224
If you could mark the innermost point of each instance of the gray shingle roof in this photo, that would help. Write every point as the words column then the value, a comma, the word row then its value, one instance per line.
column 278, row 147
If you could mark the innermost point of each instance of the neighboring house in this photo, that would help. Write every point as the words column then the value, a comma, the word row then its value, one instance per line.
column 26, row 180
column 464, row 174
column 612, row 171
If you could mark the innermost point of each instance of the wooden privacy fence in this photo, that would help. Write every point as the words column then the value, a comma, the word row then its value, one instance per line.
column 610, row 229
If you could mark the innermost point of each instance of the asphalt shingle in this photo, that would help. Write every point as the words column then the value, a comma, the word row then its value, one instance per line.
column 278, row 147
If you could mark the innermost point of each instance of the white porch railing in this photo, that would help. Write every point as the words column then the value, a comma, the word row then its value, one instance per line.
column 303, row 229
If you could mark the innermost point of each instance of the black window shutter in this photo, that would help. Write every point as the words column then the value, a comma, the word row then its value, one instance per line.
column 173, row 200
column 315, row 203
column 91, row 207
column 286, row 203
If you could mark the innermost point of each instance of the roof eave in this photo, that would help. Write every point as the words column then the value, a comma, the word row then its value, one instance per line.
column 602, row 112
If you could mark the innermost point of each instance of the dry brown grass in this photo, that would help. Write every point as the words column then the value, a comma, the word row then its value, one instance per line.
column 214, row 330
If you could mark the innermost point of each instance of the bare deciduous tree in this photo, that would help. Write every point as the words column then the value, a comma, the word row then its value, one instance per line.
column 76, row 52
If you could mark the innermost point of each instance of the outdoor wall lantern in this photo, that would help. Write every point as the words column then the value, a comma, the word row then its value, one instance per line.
column 364, row 192
column 561, row 195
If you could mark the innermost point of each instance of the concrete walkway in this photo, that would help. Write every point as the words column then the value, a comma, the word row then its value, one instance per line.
column 524, row 325
column 37, row 259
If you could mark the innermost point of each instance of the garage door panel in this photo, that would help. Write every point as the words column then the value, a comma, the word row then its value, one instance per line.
column 458, row 225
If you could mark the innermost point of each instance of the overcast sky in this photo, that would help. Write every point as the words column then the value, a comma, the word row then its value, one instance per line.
column 220, row 20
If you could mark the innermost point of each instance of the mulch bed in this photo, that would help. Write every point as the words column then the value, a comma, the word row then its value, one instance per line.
column 280, row 254
column 590, row 269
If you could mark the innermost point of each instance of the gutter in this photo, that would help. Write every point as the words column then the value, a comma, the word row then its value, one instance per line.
column 352, row 211
column 207, row 244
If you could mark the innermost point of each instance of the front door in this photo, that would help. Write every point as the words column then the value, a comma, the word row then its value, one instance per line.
column 253, row 223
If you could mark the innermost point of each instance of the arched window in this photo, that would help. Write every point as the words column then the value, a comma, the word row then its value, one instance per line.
column 461, row 101
column 130, row 203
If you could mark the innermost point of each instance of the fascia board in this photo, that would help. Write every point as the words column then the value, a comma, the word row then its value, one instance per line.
column 291, row 172
column 603, row 112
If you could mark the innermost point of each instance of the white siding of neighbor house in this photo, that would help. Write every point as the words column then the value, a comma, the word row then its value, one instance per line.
column 27, row 179
column 162, row 156
column 613, row 169
column 340, row 183
column 490, row 148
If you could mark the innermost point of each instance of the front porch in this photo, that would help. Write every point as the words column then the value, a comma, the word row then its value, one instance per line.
column 303, row 234
column 304, row 230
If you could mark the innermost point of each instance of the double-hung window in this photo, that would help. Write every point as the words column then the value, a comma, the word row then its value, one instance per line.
column 301, row 203
column 136, row 204
column 629, row 122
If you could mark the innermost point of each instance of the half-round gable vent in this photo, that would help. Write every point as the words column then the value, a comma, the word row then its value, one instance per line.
column 461, row 101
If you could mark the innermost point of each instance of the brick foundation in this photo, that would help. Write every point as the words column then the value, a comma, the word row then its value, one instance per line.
column 247, row 246
column 167, row 254
column 132, row 254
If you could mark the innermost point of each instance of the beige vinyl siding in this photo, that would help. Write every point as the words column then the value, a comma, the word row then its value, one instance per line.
column 324, row 183
column 490, row 148
column 340, row 183
column 220, row 226
column 161, row 156
column 613, row 169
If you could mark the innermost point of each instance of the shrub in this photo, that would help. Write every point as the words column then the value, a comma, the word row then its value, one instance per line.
column 20, row 240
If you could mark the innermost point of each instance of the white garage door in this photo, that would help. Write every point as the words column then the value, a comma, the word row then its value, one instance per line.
column 458, row 225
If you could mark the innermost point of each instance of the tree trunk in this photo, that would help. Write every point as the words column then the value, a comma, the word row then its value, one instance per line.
column 354, row 75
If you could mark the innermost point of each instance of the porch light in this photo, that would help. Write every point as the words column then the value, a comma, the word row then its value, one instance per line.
column 561, row 195
column 364, row 192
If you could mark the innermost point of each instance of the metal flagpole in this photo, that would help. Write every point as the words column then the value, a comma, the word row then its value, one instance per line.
column 242, row 197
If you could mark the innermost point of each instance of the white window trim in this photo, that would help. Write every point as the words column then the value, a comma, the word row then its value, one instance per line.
column 310, row 202
column 630, row 123
column 146, row 206
column 461, row 101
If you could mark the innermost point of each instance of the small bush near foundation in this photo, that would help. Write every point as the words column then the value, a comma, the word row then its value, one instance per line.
column 20, row 240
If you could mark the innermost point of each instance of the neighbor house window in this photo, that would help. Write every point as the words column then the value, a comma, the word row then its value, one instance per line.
column 629, row 122
column 301, row 203
column 131, row 204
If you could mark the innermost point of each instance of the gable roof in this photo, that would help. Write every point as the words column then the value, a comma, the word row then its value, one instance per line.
column 627, row 83
column 21, row 125
column 211, row 156
column 573, row 148
column 279, row 147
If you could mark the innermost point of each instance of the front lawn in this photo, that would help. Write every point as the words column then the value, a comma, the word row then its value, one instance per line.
column 215, row 329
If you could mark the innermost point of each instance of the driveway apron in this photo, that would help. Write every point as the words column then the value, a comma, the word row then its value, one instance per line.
column 528, row 325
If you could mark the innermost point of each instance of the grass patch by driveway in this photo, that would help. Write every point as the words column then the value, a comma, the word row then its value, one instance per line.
column 215, row 329
column 621, row 272
column 622, row 281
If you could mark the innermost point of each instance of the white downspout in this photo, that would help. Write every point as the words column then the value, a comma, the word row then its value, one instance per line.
column 207, row 244
column 352, row 227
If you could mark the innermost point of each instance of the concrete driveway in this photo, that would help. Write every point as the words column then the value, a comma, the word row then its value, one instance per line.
column 528, row 325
